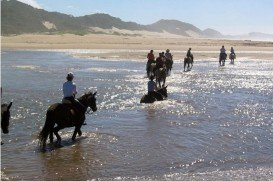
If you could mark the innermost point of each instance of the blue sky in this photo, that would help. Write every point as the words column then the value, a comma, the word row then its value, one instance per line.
column 226, row 16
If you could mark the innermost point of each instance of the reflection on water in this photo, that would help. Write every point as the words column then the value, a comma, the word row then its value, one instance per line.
column 217, row 121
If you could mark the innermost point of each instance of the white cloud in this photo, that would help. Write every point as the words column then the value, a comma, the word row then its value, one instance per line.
column 32, row 3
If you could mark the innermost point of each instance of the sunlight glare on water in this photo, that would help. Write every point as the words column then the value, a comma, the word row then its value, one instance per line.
column 216, row 123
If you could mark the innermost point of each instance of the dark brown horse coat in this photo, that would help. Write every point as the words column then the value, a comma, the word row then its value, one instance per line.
column 66, row 115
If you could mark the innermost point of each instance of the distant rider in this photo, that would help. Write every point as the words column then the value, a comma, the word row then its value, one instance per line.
column 169, row 56
column 151, row 56
column 159, row 61
column 70, row 91
column 222, row 52
column 232, row 51
column 151, row 59
column 189, row 54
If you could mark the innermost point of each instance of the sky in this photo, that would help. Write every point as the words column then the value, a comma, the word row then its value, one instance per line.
column 227, row 16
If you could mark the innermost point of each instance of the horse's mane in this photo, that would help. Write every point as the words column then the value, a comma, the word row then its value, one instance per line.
column 85, row 95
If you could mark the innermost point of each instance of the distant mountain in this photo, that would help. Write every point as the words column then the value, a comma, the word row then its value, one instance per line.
column 212, row 33
column 260, row 35
column 174, row 27
column 256, row 36
column 18, row 18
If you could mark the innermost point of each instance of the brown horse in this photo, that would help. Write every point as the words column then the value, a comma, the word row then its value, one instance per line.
column 188, row 61
column 161, row 74
column 232, row 56
column 169, row 65
column 222, row 59
column 5, row 116
column 160, row 96
column 65, row 115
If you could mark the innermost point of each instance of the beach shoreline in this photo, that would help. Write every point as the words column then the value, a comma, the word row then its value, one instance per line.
column 102, row 46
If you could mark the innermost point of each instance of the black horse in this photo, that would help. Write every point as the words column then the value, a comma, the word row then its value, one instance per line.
column 65, row 115
column 160, row 75
column 158, row 97
column 5, row 116
column 222, row 59
column 232, row 56
column 188, row 61
column 169, row 65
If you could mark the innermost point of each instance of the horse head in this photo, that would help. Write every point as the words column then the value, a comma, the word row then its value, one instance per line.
column 163, row 91
column 91, row 100
column 5, row 116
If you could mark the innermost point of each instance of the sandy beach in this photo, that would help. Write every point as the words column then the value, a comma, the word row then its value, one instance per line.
column 137, row 46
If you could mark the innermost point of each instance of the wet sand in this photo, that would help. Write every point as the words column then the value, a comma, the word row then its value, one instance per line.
column 137, row 46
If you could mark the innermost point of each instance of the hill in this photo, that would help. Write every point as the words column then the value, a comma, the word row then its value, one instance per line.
column 19, row 18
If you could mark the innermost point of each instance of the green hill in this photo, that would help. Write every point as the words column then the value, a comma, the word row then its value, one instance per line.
column 19, row 18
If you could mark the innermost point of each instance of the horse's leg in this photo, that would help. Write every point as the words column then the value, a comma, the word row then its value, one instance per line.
column 56, row 129
column 184, row 65
column 74, row 134
column 51, row 137
column 77, row 130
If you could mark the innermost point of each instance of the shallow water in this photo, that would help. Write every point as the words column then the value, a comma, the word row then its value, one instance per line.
column 217, row 120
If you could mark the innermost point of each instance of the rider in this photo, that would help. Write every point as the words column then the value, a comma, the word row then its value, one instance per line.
column 222, row 52
column 70, row 91
column 151, row 59
column 152, row 87
column 151, row 56
column 232, row 51
column 189, row 54
column 159, row 61
column 168, row 55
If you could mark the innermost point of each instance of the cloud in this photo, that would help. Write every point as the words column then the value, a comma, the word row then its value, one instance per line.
column 32, row 3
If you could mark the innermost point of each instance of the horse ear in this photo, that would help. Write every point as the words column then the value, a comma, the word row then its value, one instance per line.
column 95, row 93
column 10, row 104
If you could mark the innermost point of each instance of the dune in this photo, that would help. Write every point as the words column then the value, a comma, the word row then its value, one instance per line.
column 136, row 44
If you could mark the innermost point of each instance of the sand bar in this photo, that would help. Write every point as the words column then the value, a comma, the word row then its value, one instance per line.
column 136, row 47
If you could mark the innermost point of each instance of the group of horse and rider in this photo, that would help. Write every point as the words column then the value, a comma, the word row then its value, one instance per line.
column 223, row 56
column 160, row 67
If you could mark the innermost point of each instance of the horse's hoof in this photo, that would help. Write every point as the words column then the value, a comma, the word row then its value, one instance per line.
column 58, row 144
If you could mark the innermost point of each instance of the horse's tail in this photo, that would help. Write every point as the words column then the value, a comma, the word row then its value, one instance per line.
column 48, row 127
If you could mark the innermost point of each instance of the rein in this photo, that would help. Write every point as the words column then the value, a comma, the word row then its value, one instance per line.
column 88, row 111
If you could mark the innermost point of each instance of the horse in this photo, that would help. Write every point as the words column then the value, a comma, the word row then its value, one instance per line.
column 232, row 56
column 161, row 75
column 158, row 97
column 188, row 60
column 169, row 65
column 5, row 116
column 222, row 59
column 150, row 69
column 65, row 115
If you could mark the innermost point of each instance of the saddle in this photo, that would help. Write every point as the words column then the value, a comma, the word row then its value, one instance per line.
column 72, row 107
column 65, row 101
